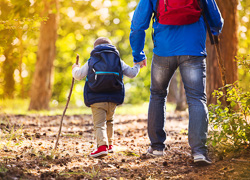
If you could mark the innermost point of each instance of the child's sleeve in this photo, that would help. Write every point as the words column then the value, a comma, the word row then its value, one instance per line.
column 128, row 71
column 79, row 73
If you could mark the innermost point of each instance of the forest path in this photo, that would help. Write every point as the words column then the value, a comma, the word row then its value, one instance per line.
column 27, row 143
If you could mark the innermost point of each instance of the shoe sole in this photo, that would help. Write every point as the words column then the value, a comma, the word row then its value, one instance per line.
column 202, row 162
column 157, row 155
column 100, row 154
column 110, row 151
column 150, row 151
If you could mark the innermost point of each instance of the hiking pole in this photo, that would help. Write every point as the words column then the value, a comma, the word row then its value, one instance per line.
column 70, row 92
column 215, row 41
column 220, row 62
column 221, row 68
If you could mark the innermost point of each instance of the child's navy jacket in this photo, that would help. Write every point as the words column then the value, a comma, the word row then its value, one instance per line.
column 91, row 97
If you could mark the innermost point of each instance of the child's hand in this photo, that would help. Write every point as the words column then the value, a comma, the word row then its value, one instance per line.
column 75, row 65
column 142, row 63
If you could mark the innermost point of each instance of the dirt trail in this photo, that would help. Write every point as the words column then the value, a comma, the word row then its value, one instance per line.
column 27, row 142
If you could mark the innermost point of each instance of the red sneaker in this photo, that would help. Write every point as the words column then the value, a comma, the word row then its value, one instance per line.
column 100, row 151
column 110, row 149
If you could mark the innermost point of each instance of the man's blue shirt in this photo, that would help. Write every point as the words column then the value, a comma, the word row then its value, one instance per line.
column 172, row 40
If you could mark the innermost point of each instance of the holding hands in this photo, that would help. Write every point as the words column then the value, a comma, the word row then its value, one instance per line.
column 142, row 63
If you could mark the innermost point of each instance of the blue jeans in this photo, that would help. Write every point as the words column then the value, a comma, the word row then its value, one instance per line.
column 193, row 73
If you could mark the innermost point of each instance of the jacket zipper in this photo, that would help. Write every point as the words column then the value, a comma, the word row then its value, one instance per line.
column 104, row 73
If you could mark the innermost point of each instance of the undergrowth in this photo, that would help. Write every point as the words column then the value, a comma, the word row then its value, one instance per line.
column 229, row 124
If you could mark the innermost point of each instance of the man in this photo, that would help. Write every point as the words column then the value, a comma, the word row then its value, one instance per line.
column 176, row 44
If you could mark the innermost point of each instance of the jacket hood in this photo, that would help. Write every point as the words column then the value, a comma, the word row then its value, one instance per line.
column 104, row 47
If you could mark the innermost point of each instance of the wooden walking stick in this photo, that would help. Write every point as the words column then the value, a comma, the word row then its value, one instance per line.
column 215, row 41
column 70, row 92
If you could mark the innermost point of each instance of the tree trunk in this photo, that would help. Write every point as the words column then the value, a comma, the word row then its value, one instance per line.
column 228, row 46
column 21, row 51
column 9, row 64
column 173, row 88
column 9, row 67
column 42, row 81
column 181, row 103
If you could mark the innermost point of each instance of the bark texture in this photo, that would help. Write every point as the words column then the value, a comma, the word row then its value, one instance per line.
column 8, row 71
column 228, row 46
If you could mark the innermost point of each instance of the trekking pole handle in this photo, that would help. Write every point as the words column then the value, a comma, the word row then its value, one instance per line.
column 216, row 39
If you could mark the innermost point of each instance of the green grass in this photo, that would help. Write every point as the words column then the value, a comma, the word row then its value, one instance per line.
column 3, row 169
column 20, row 106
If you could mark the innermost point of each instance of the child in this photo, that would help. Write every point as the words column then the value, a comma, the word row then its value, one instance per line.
column 101, row 95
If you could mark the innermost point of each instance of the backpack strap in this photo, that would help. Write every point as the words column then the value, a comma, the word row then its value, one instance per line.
column 153, row 19
column 87, row 74
column 166, row 4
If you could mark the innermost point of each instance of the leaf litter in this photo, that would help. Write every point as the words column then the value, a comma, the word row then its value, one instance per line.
column 27, row 151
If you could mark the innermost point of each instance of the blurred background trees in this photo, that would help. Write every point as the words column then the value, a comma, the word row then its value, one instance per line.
column 18, row 27
column 26, row 48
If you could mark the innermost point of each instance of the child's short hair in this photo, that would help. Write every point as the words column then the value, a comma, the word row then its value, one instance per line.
column 102, row 40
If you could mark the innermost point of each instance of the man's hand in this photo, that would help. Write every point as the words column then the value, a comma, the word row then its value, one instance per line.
column 75, row 65
column 142, row 63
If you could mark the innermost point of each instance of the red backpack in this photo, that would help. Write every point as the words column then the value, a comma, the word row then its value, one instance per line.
column 178, row 12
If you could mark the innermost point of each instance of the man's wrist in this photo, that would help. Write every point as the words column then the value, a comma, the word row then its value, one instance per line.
column 139, row 60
